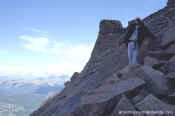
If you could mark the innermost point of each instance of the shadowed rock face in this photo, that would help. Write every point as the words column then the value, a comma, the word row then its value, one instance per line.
column 171, row 3
column 100, row 83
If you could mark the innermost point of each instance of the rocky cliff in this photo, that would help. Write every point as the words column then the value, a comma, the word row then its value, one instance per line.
column 108, row 86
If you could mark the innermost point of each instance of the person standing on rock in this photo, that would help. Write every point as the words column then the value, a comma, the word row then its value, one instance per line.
column 136, row 32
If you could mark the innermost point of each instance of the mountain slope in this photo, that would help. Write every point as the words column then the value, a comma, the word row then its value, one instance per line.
column 99, row 91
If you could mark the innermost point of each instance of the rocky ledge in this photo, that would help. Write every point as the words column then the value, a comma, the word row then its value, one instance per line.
column 108, row 86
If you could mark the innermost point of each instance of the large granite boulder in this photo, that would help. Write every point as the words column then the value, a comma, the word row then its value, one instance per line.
column 155, row 81
column 102, row 100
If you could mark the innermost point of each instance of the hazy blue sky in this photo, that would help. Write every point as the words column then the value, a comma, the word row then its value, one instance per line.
column 57, row 36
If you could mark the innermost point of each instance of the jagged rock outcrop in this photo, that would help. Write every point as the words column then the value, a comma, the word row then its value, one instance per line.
column 151, row 103
column 107, row 83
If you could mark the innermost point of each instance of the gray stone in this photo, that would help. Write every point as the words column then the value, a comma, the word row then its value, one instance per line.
column 156, row 83
column 161, row 55
column 172, row 59
column 171, row 76
column 149, row 44
column 102, row 100
column 170, row 3
column 151, row 103
column 168, row 37
column 123, row 105
column 171, row 98
column 65, row 114
column 171, row 49
column 111, row 80
column 171, row 81
column 75, row 76
column 150, row 61
column 126, row 72
column 143, row 93
column 157, row 23
column 166, row 67
column 67, row 83
column 107, row 92
column 110, row 26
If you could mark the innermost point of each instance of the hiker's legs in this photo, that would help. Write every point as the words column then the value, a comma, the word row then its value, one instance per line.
column 135, row 55
column 130, row 52
column 129, row 55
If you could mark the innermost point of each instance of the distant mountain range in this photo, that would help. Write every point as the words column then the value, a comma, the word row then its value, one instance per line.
column 20, row 95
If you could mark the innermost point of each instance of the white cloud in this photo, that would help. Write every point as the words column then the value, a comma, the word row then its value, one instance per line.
column 38, row 31
column 38, row 44
column 71, row 57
